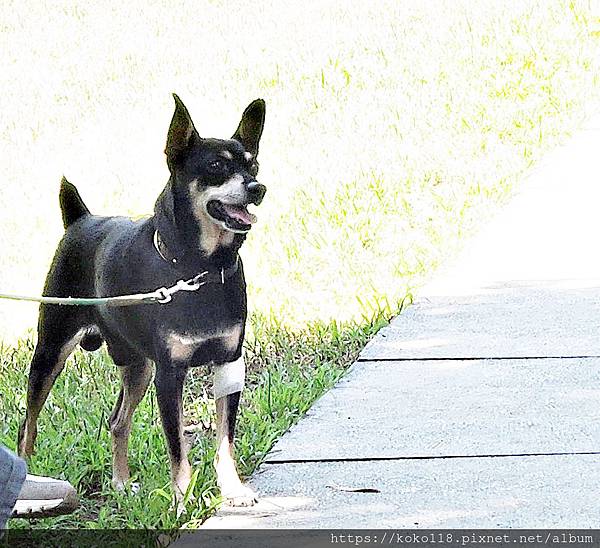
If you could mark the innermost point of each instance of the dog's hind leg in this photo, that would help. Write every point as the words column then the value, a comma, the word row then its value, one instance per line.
column 135, row 379
column 236, row 493
column 59, row 331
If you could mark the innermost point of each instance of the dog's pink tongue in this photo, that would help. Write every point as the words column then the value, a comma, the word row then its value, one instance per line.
column 240, row 214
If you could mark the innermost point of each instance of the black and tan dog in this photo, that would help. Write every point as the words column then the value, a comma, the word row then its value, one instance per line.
column 199, row 223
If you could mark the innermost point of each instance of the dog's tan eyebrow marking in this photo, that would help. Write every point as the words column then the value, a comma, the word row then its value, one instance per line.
column 248, row 155
column 226, row 154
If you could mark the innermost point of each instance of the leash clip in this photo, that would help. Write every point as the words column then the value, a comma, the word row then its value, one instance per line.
column 163, row 295
column 222, row 276
column 193, row 283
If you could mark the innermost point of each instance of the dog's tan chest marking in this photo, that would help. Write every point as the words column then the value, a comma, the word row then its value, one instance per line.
column 183, row 345
column 213, row 237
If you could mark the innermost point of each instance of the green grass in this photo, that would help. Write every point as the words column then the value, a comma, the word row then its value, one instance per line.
column 393, row 129
column 287, row 371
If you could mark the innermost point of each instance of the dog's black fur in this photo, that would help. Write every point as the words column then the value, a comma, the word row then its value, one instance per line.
column 200, row 221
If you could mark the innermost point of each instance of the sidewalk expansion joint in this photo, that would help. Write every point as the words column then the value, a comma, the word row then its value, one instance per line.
column 477, row 358
column 430, row 457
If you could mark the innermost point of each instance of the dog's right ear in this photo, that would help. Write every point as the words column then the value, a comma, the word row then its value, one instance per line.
column 182, row 134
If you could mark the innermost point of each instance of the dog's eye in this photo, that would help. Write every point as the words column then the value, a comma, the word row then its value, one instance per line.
column 217, row 165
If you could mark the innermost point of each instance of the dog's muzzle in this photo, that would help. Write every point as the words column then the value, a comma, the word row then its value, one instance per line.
column 229, row 378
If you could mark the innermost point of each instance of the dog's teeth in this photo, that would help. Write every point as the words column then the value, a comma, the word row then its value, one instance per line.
column 239, row 213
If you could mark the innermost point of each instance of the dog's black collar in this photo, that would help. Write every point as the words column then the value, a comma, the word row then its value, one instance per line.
column 162, row 249
column 219, row 276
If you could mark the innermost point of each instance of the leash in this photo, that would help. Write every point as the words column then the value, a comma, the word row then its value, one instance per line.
column 162, row 295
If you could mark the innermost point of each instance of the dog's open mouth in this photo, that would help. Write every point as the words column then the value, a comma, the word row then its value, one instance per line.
column 235, row 217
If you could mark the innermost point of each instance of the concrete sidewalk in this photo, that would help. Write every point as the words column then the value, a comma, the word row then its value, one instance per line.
column 479, row 407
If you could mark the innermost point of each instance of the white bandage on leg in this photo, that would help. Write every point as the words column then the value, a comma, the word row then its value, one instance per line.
column 229, row 378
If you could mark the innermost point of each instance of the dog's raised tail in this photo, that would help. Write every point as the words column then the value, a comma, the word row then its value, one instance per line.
column 71, row 204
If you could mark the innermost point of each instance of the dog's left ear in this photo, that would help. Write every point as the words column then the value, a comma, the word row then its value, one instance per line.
column 182, row 134
column 251, row 126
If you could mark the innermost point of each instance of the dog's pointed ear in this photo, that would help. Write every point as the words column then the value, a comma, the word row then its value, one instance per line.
column 251, row 126
column 182, row 133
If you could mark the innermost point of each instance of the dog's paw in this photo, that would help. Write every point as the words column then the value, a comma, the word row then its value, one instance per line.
column 181, row 505
column 130, row 487
column 26, row 442
column 179, row 508
column 240, row 495
column 26, row 451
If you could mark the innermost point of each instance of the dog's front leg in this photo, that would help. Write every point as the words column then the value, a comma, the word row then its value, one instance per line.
column 236, row 493
column 169, row 381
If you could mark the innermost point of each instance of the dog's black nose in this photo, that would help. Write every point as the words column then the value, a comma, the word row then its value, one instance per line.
column 256, row 191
